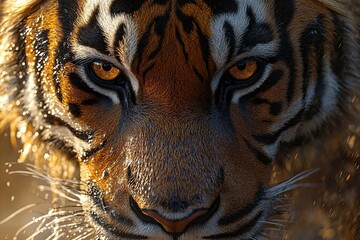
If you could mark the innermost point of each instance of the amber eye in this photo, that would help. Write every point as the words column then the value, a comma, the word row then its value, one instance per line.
column 105, row 71
column 244, row 70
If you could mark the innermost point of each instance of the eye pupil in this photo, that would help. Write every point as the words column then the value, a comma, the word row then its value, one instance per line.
column 107, row 67
column 242, row 66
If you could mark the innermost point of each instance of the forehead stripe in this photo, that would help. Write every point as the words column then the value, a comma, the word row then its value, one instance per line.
column 256, row 33
column 92, row 36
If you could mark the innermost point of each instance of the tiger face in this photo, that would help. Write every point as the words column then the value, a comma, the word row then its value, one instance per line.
column 175, row 110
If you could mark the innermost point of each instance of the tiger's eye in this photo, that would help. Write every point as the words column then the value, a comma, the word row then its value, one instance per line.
column 105, row 71
column 244, row 70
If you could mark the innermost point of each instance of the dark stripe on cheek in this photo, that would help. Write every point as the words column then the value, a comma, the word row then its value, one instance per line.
column 258, row 154
column 275, row 108
column 269, row 139
column 74, row 109
column 92, row 36
column 90, row 102
column 78, row 83
column 240, row 231
column 228, row 220
column 41, row 46
column 273, row 79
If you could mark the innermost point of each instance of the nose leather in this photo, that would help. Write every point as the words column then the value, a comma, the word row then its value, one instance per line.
column 171, row 226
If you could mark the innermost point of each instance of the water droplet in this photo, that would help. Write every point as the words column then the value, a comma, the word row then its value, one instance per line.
column 8, row 184
column 12, row 199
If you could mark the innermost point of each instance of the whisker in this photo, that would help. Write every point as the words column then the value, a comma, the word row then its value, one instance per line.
column 84, row 236
column 51, row 236
column 43, row 188
column 50, row 225
column 21, row 210
column 275, row 224
column 50, row 214
column 291, row 183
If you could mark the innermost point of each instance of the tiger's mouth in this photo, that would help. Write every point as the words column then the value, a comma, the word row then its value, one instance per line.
column 245, row 223
column 180, row 226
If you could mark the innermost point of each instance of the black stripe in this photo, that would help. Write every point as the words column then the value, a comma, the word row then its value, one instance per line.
column 275, row 108
column 272, row 80
column 93, row 151
column 188, row 24
column 284, row 13
column 67, row 13
column 205, row 48
column 74, row 109
column 53, row 120
column 96, row 195
column 41, row 47
column 147, row 70
column 90, row 102
column 181, row 42
column 337, row 62
column 239, row 215
column 143, row 42
column 198, row 75
column 19, row 57
column 187, row 21
column 41, row 51
column 78, row 83
column 230, row 40
column 112, row 230
column 92, row 35
column 311, row 37
column 124, row 6
column 240, row 231
column 159, row 28
column 62, row 145
column 271, row 138
column 259, row 155
column 221, row 7
column 314, row 36
column 256, row 33
column 119, row 39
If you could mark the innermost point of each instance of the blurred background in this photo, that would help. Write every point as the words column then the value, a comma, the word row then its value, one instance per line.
column 16, row 192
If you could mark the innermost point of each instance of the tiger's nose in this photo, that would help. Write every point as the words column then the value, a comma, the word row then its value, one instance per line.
column 175, row 226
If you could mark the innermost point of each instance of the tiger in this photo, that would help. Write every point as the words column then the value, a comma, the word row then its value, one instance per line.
column 174, row 116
